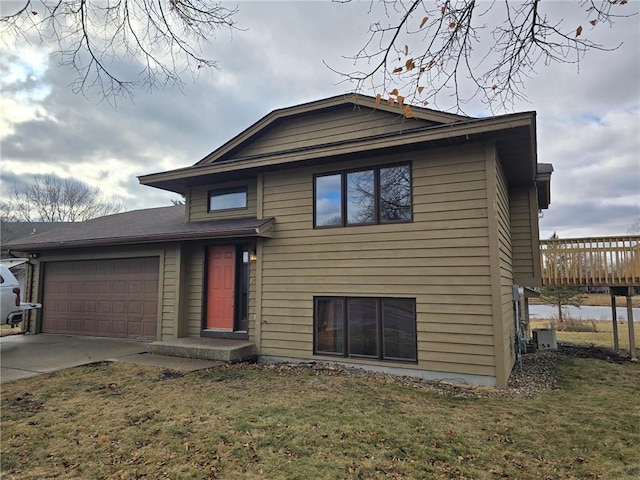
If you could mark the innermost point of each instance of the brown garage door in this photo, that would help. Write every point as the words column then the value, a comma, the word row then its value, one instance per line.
column 104, row 298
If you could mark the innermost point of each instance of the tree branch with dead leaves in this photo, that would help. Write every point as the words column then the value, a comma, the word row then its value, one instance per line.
column 424, row 51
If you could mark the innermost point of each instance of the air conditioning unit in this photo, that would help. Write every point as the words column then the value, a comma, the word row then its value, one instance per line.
column 545, row 338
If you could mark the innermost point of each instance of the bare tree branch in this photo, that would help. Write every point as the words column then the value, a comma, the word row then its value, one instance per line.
column 165, row 36
column 53, row 199
column 466, row 49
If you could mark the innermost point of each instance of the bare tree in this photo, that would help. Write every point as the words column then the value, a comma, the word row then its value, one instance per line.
column 53, row 199
column 634, row 229
column 165, row 36
column 560, row 295
column 466, row 49
column 6, row 213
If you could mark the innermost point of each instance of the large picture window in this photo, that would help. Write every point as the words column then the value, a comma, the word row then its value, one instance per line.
column 379, row 328
column 361, row 197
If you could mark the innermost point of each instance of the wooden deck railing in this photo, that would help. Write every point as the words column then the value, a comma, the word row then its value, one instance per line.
column 596, row 261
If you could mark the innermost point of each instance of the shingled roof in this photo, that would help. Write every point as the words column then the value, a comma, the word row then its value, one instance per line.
column 14, row 231
column 141, row 226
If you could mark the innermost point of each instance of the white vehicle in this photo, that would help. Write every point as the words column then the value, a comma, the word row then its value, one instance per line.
column 9, row 297
column 11, row 308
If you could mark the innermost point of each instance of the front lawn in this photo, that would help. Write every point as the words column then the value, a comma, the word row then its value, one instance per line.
column 122, row 421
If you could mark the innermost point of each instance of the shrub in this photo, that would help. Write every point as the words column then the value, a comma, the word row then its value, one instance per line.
column 570, row 324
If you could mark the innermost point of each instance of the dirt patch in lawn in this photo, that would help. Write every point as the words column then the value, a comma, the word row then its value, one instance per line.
column 123, row 421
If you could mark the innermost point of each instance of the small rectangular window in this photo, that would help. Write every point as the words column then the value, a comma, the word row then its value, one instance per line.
column 227, row 199
column 328, row 200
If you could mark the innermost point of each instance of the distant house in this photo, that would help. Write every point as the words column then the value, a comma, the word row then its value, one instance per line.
column 336, row 230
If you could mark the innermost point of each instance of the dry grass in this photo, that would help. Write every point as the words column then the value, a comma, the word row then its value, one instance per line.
column 120, row 421
column 604, row 299
column 6, row 330
column 603, row 336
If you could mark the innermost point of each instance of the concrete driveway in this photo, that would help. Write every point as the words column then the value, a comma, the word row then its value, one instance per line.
column 23, row 356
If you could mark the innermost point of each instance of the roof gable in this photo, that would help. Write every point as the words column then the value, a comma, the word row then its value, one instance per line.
column 283, row 138
column 343, row 118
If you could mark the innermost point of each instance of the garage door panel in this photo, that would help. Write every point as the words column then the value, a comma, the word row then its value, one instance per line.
column 104, row 327
column 75, row 325
column 149, row 308
column 119, row 307
column 88, row 324
column 104, row 307
column 136, row 287
column 104, row 288
column 114, row 298
column 135, row 308
column 134, row 329
column 119, row 328
column 77, row 288
column 149, row 286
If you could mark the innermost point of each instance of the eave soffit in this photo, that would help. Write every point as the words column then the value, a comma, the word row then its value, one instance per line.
column 177, row 180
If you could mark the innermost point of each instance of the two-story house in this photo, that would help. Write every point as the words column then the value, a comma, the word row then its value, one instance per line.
column 337, row 230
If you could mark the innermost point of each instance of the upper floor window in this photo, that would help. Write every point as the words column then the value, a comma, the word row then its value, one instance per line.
column 362, row 197
column 227, row 199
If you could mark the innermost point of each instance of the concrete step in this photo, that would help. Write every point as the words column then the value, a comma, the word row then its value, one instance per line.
column 221, row 349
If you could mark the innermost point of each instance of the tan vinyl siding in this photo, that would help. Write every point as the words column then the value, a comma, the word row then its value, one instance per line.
column 331, row 125
column 440, row 259
column 198, row 201
column 524, row 232
column 506, row 269
column 170, row 310
column 195, row 289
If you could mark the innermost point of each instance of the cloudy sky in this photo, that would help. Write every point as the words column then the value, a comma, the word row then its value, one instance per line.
column 588, row 120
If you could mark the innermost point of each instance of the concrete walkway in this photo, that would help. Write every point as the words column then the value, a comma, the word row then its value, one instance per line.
column 24, row 356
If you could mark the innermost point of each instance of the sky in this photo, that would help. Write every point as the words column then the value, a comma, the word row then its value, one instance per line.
column 588, row 119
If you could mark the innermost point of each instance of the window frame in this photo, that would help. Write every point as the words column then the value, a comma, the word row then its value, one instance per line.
column 227, row 191
column 376, row 200
column 379, row 322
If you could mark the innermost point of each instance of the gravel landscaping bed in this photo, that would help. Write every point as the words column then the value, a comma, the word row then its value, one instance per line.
column 533, row 375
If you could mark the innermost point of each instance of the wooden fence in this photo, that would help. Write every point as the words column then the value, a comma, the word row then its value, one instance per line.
column 594, row 261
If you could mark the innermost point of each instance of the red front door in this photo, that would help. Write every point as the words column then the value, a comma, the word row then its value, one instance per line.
column 221, row 287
